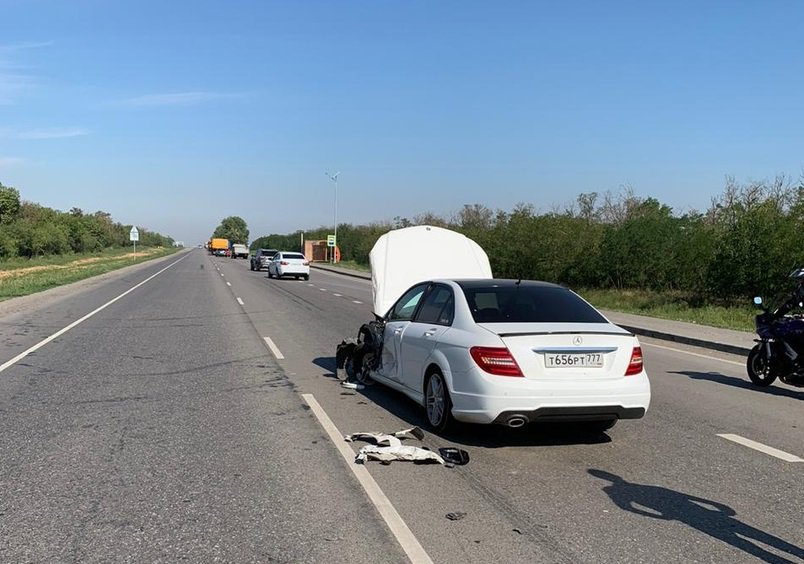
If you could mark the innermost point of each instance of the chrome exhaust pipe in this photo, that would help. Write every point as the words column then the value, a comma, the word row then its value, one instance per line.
column 516, row 421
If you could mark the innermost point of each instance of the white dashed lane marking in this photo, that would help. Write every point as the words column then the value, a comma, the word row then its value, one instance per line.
column 356, row 302
column 228, row 283
column 780, row 454
column 338, row 295
column 240, row 301
column 274, row 348
column 396, row 524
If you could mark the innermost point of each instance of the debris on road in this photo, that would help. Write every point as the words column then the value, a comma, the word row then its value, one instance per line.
column 386, row 454
column 454, row 456
column 456, row 516
column 387, row 439
column 344, row 352
column 352, row 385
column 387, row 447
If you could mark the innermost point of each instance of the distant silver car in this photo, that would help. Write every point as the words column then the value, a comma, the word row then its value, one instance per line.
column 289, row 264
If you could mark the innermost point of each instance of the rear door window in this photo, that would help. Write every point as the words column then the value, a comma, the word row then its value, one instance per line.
column 437, row 308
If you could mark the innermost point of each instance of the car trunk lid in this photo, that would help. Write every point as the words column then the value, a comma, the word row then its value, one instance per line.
column 567, row 350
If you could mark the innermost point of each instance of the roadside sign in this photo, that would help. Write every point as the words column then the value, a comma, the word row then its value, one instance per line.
column 330, row 240
column 134, row 235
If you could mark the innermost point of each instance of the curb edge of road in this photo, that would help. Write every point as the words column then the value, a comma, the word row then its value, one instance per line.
column 345, row 272
column 642, row 331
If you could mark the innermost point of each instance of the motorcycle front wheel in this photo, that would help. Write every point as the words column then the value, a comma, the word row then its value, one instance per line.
column 758, row 367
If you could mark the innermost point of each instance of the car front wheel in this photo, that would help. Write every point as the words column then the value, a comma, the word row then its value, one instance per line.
column 437, row 402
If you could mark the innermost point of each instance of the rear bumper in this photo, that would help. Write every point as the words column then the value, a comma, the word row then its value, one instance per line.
column 291, row 270
column 621, row 398
column 569, row 414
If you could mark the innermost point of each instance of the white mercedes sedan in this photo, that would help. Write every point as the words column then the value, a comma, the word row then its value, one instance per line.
column 509, row 352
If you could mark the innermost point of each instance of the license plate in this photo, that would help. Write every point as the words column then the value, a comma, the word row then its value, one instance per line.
column 570, row 360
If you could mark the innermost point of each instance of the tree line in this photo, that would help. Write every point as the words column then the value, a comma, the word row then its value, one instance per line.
column 29, row 230
column 745, row 243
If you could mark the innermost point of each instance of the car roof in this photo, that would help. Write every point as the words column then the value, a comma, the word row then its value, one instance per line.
column 468, row 284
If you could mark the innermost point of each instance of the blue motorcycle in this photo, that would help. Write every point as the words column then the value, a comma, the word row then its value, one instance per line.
column 779, row 352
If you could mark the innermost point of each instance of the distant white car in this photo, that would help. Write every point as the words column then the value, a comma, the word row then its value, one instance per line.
column 289, row 264
column 472, row 348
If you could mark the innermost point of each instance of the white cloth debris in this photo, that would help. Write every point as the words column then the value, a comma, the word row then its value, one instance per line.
column 352, row 385
column 391, row 453
column 385, row 439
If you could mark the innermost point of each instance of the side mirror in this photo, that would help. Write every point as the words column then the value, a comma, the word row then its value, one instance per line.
column 758, row 301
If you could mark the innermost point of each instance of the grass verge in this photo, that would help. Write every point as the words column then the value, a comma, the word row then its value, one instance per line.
column 352, row 265
column 668, row 305
column 20, row 277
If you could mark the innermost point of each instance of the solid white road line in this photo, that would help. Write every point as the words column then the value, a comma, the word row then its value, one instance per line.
column 61, row 332
column 780, row 454
column 240, row 301
column 274, row 348
column 706, row 356
column 395, row 523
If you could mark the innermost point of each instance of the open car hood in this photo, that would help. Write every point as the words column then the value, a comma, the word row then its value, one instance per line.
column 403, row 257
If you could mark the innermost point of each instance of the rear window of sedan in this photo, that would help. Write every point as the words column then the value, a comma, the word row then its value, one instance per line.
column 293, row 256
column 529, row 304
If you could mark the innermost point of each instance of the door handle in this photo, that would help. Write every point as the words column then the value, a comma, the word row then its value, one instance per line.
column 397, row 331
column 429, row 333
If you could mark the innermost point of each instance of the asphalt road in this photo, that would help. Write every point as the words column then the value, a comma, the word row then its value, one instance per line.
column 164, row 427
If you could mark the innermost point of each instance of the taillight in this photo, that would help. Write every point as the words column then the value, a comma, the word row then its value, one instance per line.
column 495, row 360
column 284, row 262
column 305, row 263
column 635, row 364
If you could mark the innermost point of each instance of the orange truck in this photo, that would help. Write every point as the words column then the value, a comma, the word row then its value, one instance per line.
column 219, row 247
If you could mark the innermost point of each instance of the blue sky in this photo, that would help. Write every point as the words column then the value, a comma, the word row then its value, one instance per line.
column 173, row 115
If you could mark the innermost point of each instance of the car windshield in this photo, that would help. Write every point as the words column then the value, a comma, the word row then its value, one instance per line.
column 529, row 304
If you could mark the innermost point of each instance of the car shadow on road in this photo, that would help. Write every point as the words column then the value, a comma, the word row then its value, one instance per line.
column 487, row 436
column 328, row 364
column 715, row 519
column 775, row 390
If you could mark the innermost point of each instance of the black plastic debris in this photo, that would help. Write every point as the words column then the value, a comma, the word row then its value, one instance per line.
column 454, row 456
column 344, row 352
column 456, row 516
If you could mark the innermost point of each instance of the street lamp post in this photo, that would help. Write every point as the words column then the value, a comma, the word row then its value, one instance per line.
column 334, row 178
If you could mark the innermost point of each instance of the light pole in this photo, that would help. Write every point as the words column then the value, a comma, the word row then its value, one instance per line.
column 334, row 178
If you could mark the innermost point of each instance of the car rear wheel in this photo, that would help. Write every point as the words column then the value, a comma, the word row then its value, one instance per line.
column 306, row 276
column 437, row 402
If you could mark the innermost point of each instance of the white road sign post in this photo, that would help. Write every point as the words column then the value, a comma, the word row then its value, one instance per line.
column 331, row 245
column 134, row 236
